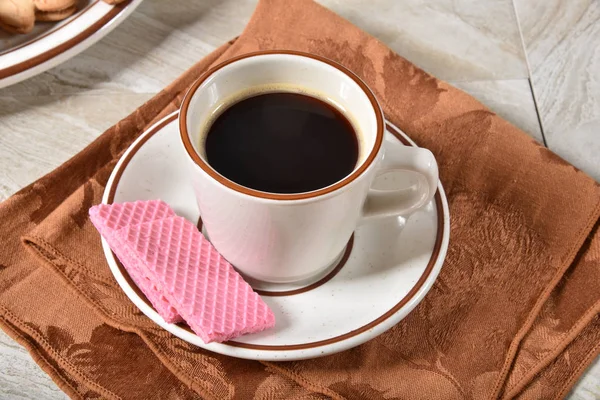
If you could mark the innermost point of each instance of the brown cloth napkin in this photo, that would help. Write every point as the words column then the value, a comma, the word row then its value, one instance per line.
column 513, row 314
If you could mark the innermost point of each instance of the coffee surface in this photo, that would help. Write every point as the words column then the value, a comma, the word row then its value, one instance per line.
column 282, row 143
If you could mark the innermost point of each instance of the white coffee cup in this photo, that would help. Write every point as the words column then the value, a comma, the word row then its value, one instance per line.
column 292, row 237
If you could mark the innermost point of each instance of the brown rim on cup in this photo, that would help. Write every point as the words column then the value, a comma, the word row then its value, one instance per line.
column 185, row 136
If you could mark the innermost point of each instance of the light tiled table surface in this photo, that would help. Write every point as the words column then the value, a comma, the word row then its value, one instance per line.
column 535, row 63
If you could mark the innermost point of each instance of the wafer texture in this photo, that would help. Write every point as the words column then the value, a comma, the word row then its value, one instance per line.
column 109, row 218
column 209, row 294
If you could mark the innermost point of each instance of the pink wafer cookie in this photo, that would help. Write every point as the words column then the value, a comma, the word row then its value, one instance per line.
column 108, row 218
column 204, row 288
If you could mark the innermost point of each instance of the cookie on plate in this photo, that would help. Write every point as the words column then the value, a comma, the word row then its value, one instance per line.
column 17, row 16
column 54, row 10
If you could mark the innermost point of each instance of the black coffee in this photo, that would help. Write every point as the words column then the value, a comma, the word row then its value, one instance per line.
column 282, row 143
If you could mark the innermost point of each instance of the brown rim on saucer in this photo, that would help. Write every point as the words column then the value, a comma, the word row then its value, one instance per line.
column 185, row 137
column 41, row 58
column 435, row 255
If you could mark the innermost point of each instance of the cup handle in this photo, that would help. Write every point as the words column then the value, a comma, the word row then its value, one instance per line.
column 386, row 203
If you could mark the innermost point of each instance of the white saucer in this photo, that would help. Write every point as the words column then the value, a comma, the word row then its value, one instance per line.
column 388, row 268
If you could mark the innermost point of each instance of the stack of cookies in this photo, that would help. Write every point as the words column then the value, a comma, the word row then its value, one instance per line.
column 19, row 16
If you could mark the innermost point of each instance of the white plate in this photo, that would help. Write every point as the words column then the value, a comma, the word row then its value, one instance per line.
column 389, row 265
column 51, row 43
